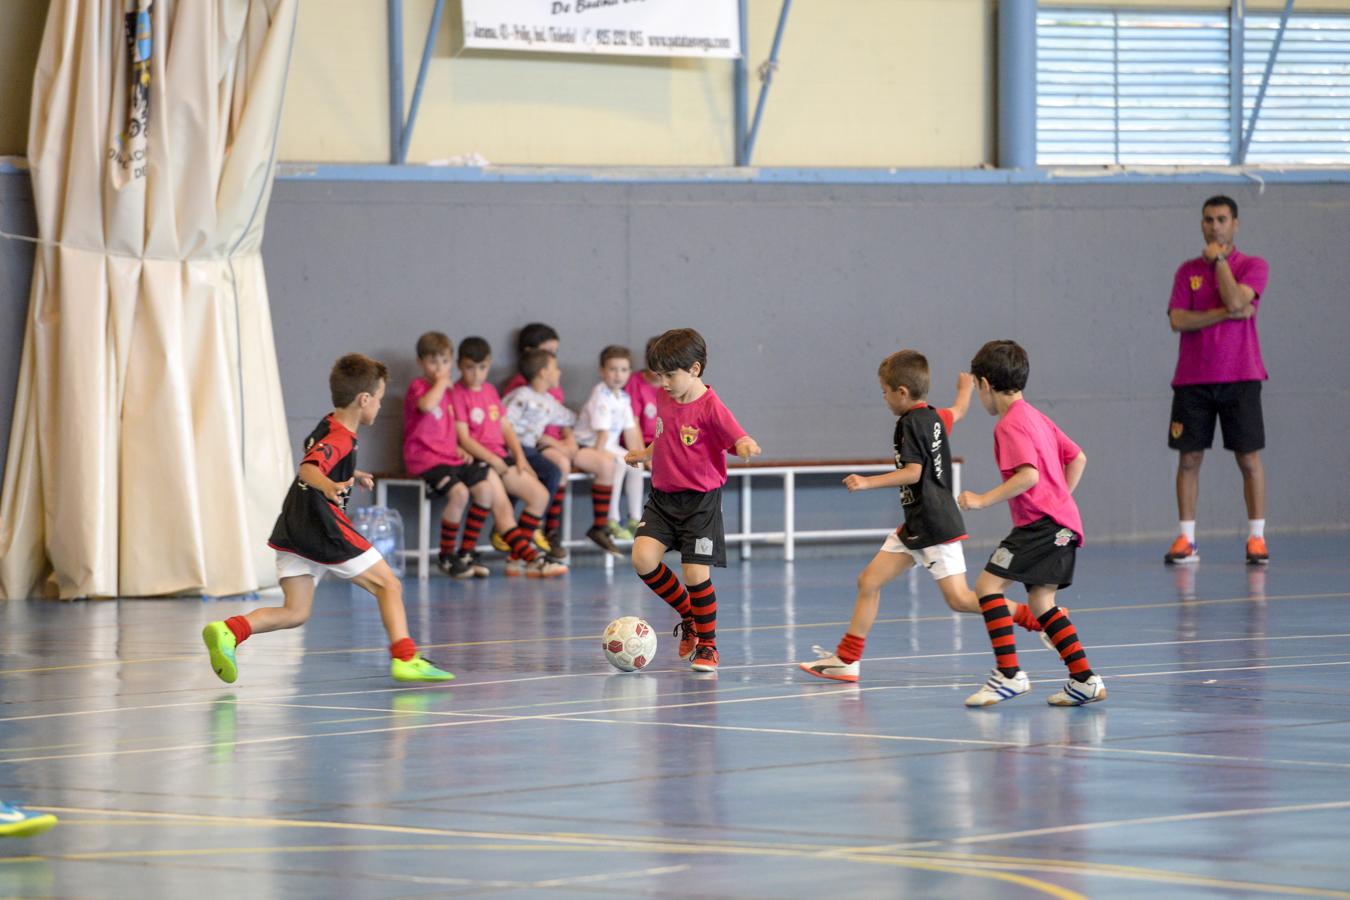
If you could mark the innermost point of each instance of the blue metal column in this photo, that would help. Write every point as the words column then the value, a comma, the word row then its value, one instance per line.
column 406, row 138
column 1265, row 82
column 741, row 89
column 1237, row 31
column 1017, row 84
column 766, row 74
column 395, row 82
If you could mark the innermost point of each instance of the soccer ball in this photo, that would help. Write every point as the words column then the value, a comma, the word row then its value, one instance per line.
column 629, row 643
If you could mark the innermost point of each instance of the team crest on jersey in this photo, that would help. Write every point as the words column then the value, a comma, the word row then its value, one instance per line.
column 1176, row 430
column 660, row 427
column 494, row 413
column 1196, row 281
column 1063, row 537
column 649, row 410
column 688, row 435
column 476, row 415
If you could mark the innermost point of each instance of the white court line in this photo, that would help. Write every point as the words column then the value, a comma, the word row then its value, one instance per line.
column 477, row 718
column 187, row 704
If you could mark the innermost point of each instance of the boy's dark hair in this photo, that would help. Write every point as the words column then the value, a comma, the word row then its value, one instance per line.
column 647, row 350
column 1221, row 200
column 533, row 362
column 534, row 334
column 355, row 374
column 614, row 351
column 474, row 349
column 432, row 343
column 1004, row 363
column 678, row 348
column 905, row 369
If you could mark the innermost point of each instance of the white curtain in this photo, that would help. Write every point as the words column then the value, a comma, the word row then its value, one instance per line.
column 148, row 453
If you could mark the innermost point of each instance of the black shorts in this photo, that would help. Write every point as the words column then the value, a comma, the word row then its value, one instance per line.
column 1040, row 553
column 1237, row 406
column 690, row 521
column 440, row 479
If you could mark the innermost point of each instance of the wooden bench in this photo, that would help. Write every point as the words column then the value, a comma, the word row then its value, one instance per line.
column 788, row 536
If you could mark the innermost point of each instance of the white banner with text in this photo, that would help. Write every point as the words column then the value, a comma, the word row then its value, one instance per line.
column 631, row 27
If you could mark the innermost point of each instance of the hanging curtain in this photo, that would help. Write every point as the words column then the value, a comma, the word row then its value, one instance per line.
column 148, row 453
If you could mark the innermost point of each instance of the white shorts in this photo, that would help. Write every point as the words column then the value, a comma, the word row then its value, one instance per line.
column 290, row 566
column 941, row 560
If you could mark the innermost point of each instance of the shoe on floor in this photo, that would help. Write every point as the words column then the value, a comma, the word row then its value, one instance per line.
column 705, row 659
column 600, row 537
column 1076, row 693
column 544, row 567
column 515, row 567
column 220, row 643
column 15, row 821
column 455, row 567
column 828, row 665
column 418, row 668
column 684, row 630
column 1181, row 552
column 999, row 688
column 1257, row 554
column 474, row 565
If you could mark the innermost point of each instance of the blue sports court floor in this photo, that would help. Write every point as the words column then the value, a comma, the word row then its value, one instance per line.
column 1218, row 767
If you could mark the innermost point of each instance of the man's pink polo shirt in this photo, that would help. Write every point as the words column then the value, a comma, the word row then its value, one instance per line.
column 1225, row 351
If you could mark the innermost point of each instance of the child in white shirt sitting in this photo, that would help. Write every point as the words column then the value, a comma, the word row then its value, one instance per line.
column 607, row 417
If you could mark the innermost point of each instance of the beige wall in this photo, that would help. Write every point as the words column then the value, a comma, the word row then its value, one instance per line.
column 861, row 83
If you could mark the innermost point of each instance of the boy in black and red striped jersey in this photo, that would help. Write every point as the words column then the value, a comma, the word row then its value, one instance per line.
column 933, row 529
column 313, row 535
column 694, row 434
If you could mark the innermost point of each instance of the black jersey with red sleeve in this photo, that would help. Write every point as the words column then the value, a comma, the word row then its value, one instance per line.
column 311, row 525
column 931, row 514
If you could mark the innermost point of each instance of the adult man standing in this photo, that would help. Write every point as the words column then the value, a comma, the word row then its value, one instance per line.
column 1219, row 373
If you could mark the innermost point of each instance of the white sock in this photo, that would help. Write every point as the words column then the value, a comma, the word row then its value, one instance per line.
column 1257, row 528
column 1188, row 530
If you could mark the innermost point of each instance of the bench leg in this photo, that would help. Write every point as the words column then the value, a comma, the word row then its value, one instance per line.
column 789, row 516
column 745, row 516
column 423, row 536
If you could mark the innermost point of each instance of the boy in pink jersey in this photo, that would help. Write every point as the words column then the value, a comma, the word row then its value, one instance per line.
column 486, row 435
column 694, row 434
column 1041, row 467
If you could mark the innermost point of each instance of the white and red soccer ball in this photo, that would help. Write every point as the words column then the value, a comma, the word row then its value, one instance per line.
column 629, row 643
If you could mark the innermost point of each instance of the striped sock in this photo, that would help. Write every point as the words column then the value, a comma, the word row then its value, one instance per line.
column 529, row 521
column 473, row 528
column 1065, row 638
column 703, row 604
column 521, row 545
column 850, row 649
column 449, row 534
column 1000, row 627
column 555, row 509
column 600, row 497
column 666, row 585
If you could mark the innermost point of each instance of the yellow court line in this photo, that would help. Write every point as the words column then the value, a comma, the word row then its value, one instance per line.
column 753, row 628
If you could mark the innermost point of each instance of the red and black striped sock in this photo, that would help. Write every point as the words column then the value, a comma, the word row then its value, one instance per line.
column 1065, row 638
column 449, row 534
column 666, row 585
column 529, row 521
column 522, row 547
column 473, row 528
column 850, row 648
column 403, row 649
column 600, row 497
column 999, row 624
column 703, row 604
column 554, row 521
column 240, row 627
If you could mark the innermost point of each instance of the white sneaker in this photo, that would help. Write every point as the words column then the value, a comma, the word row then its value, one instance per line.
column 515, row 567
column 830, row 666
column 1076, row 693
column 544, row 567
column 998, row 688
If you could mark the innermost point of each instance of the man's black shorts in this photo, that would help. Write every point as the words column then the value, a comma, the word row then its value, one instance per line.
column 690, row 521
column 440, row 479
column 1237, row 406
column 1040, row 553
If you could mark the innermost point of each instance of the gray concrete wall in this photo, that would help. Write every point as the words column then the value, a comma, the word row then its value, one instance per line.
column 802, row 289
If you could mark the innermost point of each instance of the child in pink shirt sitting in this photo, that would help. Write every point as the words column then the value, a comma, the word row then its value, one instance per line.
column 694, row 434
column 1041, row 467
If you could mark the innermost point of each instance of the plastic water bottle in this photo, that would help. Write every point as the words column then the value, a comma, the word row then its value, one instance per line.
column 383, row 527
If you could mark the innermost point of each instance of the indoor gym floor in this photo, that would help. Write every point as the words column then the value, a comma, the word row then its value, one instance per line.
column 1218, row 766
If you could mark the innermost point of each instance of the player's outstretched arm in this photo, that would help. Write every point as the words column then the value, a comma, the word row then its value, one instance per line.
column 746, row 447
column 910, row 473
column 636, row 458
column 965, row 386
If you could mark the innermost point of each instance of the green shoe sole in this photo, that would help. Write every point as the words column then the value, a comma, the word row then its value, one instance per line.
column 220, row 644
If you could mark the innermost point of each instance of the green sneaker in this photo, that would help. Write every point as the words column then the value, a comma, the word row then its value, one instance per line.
column 417, row 669
column 220, row 643
column 15, row 821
